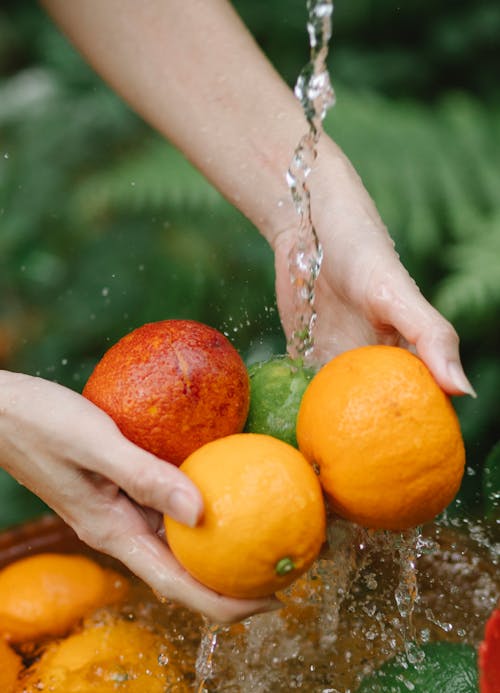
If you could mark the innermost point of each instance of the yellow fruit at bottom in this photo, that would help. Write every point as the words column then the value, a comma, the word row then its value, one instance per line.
column 385, row 437
column 47, row 594
column 10, row 666
column 264, row 518
column 105, row 658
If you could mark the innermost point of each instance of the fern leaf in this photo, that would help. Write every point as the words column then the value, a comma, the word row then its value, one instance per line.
column 152, row 178
column 473, row 285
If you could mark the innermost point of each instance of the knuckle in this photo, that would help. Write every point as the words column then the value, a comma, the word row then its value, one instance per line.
column 226, row 611
column 444, row 333
column 99, row 536
column 144, row 484
column 87, row 536
column 223, row 615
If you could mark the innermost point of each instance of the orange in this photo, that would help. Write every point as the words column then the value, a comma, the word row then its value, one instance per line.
column 104, row 657
column 264, row 520
column 47, row 594
column 10, row 667
column 385, row 437
column 172, row 386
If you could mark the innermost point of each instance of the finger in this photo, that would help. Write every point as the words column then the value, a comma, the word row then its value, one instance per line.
column 70, row 427
column 153, row 518
column 397, row 301
column 152, row 482
column 149, row 558
column 115, row 527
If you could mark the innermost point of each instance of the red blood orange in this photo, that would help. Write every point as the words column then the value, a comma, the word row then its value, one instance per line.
column 172, row 386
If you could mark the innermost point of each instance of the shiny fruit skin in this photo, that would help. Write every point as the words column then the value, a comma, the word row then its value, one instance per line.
column 264, row 519
column 489, row 655
column 106, row 656
column 385, row 437
column 49, row 593
column 276, row 389
column 10, row 667
column 171, row 386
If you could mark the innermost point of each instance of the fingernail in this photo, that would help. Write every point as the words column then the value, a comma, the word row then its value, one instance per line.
column 459, row 379
column 183, row 508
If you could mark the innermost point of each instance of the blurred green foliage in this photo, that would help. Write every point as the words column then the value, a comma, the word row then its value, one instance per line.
column 104, row 226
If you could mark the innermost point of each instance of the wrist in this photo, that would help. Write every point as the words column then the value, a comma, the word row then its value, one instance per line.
column 328, row 184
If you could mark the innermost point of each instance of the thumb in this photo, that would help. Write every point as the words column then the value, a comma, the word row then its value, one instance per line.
column 153, row 483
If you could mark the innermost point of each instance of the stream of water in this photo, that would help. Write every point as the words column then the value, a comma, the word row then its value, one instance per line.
column 315, row 93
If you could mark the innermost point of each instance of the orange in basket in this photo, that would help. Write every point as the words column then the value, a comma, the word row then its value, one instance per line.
column 47, row 594
column 10, row 667
column 106, row 657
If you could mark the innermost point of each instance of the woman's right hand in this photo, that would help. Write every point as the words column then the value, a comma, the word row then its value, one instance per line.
column 112, row 493
column 363, row 294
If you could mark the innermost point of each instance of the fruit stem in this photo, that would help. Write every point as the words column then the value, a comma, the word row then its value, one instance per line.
column 284, row 566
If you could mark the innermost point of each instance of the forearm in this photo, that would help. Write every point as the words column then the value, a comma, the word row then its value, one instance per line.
column 193, row 71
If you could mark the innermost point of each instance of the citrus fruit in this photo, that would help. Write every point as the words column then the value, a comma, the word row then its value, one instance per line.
column 446, row 668
column 264, row 520
column 276, row 389
column 172, row 386
column 385, row 437
column 112, row 656
column 47, row 594
column 489, row 655
column 10, row 667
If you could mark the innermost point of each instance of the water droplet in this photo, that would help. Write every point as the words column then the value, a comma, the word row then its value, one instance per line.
column 371, row 581
column 163, row 659
column 446, row 627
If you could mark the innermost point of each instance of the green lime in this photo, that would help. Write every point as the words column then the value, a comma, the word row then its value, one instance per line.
column 276, row 389
column 447, row 667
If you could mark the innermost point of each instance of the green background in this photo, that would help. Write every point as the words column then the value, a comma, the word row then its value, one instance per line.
column 104, row 226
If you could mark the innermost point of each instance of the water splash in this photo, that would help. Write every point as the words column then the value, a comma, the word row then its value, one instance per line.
column 315, row 93
column 205, row 659
column 336, row 570
column 406, row 593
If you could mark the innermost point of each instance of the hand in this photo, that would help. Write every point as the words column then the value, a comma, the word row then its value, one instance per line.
column 111, row 492
column 363, row 293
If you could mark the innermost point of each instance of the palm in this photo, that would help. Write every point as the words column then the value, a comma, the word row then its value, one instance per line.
column 347, row 303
